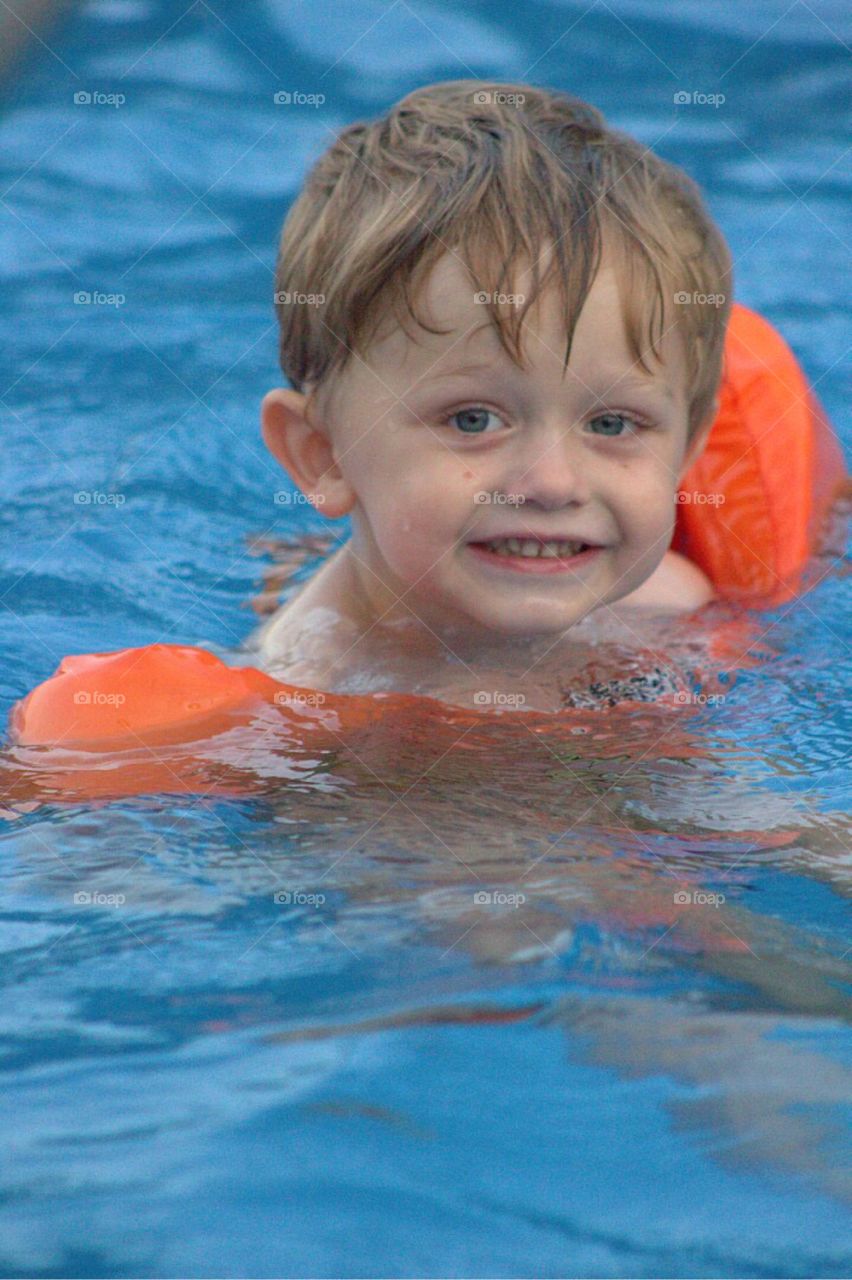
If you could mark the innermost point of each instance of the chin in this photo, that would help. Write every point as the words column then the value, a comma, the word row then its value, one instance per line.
column 534, row 623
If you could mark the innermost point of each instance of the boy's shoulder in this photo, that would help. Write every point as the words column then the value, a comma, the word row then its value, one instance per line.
column 304, row 642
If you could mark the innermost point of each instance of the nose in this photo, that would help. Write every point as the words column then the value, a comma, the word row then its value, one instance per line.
column 550, row 469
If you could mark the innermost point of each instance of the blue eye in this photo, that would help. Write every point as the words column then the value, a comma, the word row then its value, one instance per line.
column 473, row 420
column 616, row 419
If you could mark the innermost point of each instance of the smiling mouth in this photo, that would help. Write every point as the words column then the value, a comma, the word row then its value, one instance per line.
column 535, row 548
column 535, row 555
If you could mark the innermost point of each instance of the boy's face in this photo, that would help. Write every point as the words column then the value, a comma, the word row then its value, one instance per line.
column 430, row 438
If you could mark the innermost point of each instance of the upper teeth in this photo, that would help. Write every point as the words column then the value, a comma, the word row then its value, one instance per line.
column 532, row 547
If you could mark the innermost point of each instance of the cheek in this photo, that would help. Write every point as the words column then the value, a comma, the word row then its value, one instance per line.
column 646, row 502
column 415, row 507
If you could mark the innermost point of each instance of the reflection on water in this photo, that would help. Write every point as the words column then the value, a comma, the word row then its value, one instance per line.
column 628, row 862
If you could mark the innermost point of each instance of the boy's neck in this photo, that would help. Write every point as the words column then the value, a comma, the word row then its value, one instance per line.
column 373, row 617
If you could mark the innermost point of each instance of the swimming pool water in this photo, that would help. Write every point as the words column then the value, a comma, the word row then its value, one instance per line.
column 300, row 1045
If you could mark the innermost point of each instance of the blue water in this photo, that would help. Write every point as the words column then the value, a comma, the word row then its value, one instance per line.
column 202, row 1081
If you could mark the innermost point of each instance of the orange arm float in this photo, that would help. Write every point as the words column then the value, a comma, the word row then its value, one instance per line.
column 755, row 503
column 161, row 693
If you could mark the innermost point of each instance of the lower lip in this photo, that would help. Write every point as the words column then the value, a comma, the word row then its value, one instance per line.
column 536, row 564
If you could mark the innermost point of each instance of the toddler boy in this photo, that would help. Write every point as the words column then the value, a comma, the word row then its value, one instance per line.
column 491, row 316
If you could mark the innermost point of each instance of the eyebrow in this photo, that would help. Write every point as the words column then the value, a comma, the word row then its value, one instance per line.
column 461, row 370
column 636, row 382
column 629, row 381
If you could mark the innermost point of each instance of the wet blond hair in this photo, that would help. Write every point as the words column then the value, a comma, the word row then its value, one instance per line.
column 498, row 174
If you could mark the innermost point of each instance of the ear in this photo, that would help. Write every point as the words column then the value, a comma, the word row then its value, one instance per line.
column 699, row 438
column 304, row 450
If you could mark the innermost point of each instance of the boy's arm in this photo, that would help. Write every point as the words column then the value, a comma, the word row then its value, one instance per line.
column 676, row 584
